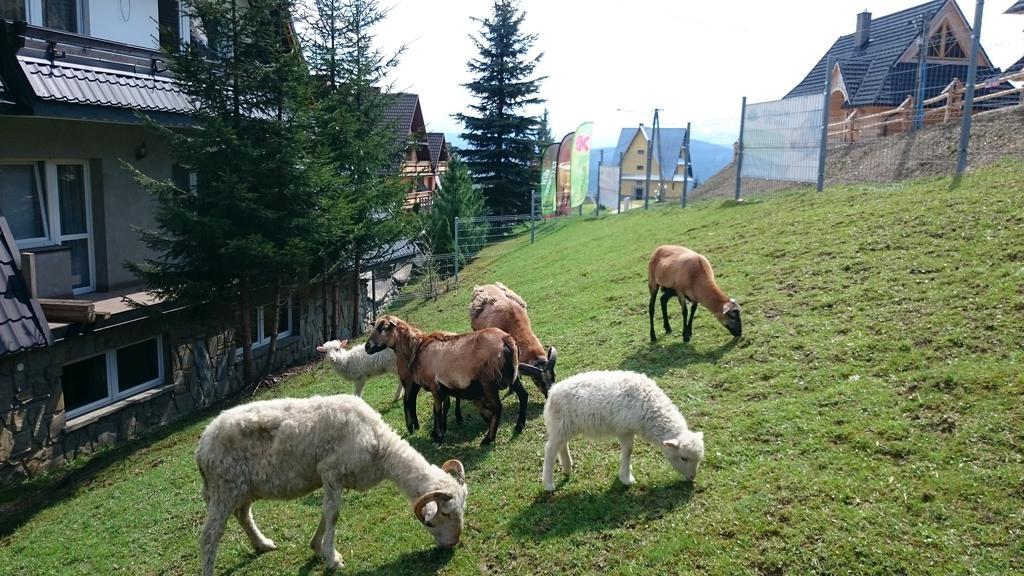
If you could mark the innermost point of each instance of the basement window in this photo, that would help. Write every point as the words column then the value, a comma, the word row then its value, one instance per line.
column 95, row 382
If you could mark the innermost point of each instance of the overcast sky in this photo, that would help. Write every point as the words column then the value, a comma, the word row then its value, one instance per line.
column 614, row 61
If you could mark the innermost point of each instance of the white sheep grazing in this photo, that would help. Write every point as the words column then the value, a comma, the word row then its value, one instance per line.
column 357, row 365
column 287, row 448
column 619, row 404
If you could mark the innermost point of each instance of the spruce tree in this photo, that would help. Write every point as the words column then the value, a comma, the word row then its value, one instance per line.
column 456, row 198
column 542, row 136
column 366, row 208
column 500, row 138
column 244, row 236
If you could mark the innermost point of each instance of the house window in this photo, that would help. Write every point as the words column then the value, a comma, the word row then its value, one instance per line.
column 13, row 10
column 943, row 44
column 287, row 323
column 115, row 375
column 66, row 15
column 640, row 152
column 62, row 15
column 49, row 203
column 174, row 24
column 184, row 179
column 638, row 193
column 639, row 166
column 23, row 203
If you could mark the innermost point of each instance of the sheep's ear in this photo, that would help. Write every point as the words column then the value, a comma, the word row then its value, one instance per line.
column 344, row 344
column 429, row 511
column 673, row 443
column 321, row 349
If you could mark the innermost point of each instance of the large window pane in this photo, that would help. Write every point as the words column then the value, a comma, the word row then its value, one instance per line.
column 138, row 364
column 61, row 14
column 71, row 189
column 21, row 201
column 284, row 317
column 12, row 10
column 81, row 271
column 84, row 382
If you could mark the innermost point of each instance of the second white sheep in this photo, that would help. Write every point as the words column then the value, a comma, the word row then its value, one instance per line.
column 621, row 405
column 357, row 366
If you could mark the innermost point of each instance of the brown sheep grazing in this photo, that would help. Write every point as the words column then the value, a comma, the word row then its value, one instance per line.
column 497, row 306
column 473, row 366
column 684, row 273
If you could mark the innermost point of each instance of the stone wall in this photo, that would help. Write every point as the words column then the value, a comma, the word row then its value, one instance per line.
column 200, row 368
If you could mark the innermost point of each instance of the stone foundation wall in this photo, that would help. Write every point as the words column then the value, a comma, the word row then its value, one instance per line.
column 200, row 368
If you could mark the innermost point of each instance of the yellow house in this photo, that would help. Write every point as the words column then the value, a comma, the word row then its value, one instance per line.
column 670, row 166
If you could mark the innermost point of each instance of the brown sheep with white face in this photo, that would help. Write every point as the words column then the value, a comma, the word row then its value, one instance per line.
column 498, row 306
column 475, row 366
column 684, row 273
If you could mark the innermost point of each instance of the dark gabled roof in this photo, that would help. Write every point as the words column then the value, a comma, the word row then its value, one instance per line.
column 22, row 324
column 672, row 141
column 1017, row 8
column 402, row 113
column 871, row 73
column 1018, row 65
column 438, row 147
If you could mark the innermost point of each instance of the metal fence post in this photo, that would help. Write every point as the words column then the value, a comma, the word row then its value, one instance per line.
column 823, row 150
column 456, row 250
column 739, row 147
column 972, row 78
column 533, row 216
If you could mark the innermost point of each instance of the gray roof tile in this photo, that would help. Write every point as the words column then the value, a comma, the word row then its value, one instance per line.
column 22, row 324
column 1017, row 8
column 437, row 144
column 79, row 84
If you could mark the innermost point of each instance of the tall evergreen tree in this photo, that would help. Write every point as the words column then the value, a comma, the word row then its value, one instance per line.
column 366, row 211
column 500, row 137
column 243, row 237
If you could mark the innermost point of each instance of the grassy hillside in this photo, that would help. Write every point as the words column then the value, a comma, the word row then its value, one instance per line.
column 869, row 422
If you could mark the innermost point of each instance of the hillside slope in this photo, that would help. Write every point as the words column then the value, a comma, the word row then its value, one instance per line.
column 869, row 422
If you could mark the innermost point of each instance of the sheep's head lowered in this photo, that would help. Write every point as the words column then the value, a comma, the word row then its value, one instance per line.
column 730, row 318
column 542, row 371
column 383, row 335
column 685, row 453
column 441, row 511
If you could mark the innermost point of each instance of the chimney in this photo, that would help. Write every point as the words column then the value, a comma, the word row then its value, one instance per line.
column 863, row 34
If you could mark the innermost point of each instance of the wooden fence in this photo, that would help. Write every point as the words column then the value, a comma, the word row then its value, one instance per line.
column 947, row 105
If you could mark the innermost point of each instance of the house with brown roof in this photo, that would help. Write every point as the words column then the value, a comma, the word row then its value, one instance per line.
column 876, row 68
column 87, row 357
column 426, row 154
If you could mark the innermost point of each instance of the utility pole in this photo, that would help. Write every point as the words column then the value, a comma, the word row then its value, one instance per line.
column 972, row 78
column 650, row 153
column 686, row 165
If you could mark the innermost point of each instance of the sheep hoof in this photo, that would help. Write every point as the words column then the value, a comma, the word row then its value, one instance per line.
column 487, row 441
column 265, row 546
column 520, row 427
column 628, row 481
column 335, row 563
column 549, row 487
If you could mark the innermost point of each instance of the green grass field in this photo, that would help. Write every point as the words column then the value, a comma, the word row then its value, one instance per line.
column 870, row 421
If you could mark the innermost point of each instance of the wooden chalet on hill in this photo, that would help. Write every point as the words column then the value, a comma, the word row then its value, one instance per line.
column 875, row 72
column 426, row 154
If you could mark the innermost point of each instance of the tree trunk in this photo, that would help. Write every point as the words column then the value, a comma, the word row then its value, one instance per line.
column 357, row 297
column 245, row 321
column 270, row 323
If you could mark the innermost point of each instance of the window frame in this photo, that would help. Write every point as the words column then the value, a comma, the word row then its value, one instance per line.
column 262, row 337
column 42, row 197
column 46, row 186
column 113, row 394
column 34, row 14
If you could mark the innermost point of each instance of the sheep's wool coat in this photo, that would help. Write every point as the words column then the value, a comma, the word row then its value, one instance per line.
column 356, row 365
column 611, row 403
column 282, row 448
